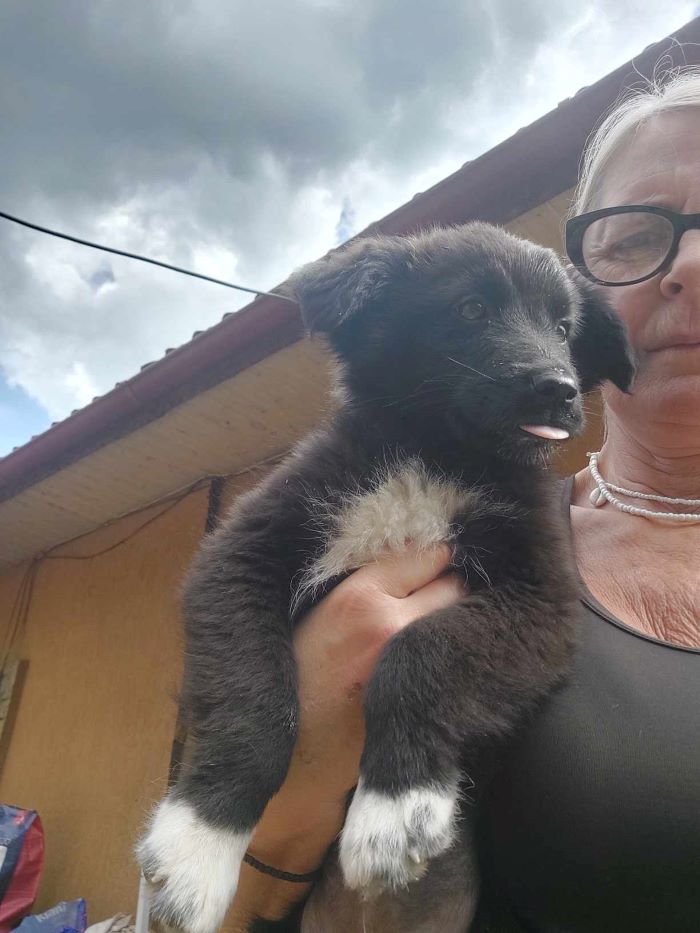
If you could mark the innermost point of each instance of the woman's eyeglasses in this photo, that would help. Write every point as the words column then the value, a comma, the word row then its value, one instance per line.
column 626, row 245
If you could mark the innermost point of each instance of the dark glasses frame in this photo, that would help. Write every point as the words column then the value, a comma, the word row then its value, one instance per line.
column 576, row 228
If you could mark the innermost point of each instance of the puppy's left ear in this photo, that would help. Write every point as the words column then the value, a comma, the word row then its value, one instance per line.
column 600, row 347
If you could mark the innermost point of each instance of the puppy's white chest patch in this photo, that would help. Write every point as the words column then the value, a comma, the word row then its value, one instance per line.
column 405, row 505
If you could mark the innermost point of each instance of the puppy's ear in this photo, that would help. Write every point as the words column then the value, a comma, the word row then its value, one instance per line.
column 333, row 289
column 600, row 347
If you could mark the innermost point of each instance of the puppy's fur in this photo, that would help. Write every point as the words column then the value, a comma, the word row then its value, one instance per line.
column 448, row 343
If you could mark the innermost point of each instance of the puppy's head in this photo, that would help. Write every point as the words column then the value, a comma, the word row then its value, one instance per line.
column 468, row 328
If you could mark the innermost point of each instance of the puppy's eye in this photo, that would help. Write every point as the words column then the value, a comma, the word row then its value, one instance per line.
column 473, row 310
column 563, row 330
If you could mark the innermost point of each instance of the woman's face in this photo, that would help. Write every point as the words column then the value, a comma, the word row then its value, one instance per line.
column 661, row 166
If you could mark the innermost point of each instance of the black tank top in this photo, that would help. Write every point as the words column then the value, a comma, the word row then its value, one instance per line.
column 593, row 821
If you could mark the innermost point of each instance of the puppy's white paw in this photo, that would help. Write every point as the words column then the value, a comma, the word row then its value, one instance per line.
column 192, row 867
column 388, row 841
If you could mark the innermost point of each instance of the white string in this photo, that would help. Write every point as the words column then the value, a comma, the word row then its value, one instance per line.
column 603, row 494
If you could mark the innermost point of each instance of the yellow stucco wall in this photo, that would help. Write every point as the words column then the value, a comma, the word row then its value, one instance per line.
column 92, row 739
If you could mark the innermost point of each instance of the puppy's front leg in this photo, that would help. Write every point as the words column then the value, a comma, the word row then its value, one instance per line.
column 447, row 682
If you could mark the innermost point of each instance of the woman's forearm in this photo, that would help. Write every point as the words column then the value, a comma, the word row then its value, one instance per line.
column 263, row 897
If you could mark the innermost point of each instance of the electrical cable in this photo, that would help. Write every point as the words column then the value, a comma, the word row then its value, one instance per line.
column 153, row 262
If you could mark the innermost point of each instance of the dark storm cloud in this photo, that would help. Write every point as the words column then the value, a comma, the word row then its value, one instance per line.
column 108, row 97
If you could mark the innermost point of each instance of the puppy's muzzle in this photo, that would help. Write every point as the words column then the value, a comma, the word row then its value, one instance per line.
column 554, row 388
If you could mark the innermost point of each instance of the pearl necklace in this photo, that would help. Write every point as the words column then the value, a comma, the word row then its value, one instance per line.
column 603, row 494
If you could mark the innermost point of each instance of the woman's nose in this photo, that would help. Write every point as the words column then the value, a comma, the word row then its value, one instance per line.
column 684, row 272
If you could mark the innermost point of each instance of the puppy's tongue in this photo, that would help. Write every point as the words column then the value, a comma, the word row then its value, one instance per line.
column 543, row 430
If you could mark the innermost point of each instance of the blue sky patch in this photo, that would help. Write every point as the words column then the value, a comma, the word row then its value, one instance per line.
column 20, row 417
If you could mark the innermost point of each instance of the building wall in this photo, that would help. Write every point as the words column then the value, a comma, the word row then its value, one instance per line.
column 91, row 743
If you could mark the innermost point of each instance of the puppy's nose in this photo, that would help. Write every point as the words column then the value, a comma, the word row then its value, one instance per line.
column 555, row 387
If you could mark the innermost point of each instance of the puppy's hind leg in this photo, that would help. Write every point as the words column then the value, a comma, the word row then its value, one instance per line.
column 243, row 732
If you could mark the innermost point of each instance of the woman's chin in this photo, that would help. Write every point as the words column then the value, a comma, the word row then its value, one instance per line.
column 659, row 400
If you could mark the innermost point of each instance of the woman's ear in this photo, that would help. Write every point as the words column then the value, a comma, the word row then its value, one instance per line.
column 600, row 347
column 333, row 289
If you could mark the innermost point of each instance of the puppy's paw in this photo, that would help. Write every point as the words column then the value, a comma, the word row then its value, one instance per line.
column 387, row 841
column 192, row 867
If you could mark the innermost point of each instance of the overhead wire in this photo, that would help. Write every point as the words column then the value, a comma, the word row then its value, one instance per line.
column 140, row 258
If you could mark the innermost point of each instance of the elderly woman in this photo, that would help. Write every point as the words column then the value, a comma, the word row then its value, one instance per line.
column 593, row 822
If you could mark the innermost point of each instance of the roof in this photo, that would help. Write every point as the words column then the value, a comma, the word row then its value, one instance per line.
column 528, row 170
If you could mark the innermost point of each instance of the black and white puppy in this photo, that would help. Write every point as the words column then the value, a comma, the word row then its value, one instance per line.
column 462, row 357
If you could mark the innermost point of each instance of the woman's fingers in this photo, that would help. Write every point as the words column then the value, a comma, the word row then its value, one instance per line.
column 399, row 574
column 440, row 594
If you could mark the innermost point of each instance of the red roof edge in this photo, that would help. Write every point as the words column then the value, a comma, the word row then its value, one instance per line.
column 537, row 163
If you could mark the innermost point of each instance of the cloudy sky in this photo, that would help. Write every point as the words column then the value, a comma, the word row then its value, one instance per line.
column 240, row 140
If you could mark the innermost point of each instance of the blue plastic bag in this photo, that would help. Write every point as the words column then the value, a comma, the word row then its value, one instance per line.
column 66, row 917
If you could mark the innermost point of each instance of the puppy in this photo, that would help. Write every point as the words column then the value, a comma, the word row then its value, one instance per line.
column 462, row 357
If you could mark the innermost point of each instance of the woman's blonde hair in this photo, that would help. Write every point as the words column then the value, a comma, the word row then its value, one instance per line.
column 664, row 93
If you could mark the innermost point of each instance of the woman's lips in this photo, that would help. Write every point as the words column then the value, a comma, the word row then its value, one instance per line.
column 678, row 345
